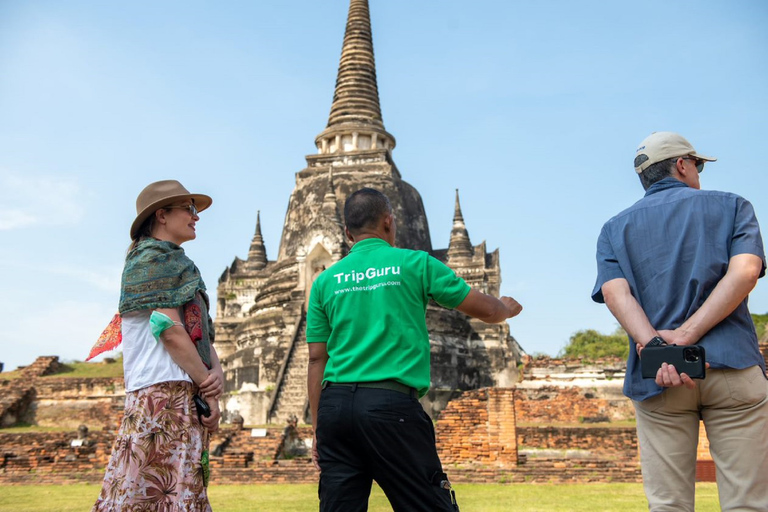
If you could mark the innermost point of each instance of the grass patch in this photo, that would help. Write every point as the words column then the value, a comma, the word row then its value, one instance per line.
column 23, row 428
column 303, row 497
column 79, row 369
column 15, row 374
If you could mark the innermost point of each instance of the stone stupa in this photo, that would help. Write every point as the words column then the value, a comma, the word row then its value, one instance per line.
column 260, row 316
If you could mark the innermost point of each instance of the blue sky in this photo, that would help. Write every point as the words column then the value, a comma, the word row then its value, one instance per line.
column 532, row 110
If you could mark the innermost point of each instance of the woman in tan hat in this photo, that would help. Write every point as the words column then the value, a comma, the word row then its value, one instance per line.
column 172, row 372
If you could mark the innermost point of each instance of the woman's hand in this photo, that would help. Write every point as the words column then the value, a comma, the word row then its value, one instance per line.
column 213, row 385
column 212, row 422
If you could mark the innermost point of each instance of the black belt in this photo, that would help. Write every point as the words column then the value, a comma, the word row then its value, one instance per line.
column 380, row 384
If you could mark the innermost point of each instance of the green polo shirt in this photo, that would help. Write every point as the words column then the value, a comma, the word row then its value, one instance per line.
column 370, row 309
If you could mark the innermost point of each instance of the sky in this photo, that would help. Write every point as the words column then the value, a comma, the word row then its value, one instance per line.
column 533, row 110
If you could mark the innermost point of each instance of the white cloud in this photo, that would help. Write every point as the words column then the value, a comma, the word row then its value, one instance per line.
column 39, row 201
column 14, row 219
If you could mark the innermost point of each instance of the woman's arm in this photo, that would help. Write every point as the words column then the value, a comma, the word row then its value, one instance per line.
column 184, row 353
column 181, row 348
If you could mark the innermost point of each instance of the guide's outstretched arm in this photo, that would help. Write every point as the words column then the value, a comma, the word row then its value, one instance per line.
column 488, row 308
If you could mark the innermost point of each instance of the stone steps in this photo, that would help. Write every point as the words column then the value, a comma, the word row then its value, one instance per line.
column 292, row 391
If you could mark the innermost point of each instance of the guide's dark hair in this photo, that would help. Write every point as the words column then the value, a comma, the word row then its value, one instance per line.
column 364, row 209
column 657, row 172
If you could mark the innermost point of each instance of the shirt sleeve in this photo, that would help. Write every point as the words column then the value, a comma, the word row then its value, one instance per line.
column 443, row 285
column 607, row 265
column 746, row 238
column 318, row 326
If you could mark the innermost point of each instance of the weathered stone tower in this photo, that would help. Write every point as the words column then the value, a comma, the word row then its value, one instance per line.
column 261, row 303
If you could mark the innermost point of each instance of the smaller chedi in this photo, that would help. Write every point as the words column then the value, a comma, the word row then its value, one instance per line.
column 261, row 302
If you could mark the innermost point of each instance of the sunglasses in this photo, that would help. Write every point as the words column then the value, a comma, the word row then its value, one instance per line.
column 191, row 208
column 698, row 162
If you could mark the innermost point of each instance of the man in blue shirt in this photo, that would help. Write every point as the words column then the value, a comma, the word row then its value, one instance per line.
column 677, row 267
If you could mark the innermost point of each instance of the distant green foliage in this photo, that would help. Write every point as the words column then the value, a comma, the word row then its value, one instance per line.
column 590, row 344
column 760, row 322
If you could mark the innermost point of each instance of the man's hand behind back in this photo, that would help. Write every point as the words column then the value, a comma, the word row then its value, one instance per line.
column 676, row 337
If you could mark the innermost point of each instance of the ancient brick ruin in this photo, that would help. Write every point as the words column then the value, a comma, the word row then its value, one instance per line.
column 561, row 423
column 479, row 439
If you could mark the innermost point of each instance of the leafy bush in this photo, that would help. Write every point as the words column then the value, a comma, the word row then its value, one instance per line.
column 590, row 344
column 760, row 322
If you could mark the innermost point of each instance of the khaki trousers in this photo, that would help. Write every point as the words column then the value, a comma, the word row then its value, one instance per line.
column 734, row 407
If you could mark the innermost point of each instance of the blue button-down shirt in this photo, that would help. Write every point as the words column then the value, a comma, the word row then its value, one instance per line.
column 673, row 247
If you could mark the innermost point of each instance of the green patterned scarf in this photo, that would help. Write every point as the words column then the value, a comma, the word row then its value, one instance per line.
column 158, row 274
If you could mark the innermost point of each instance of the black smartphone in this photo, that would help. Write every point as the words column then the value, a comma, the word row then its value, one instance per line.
column 686, row 359
column 202, row 406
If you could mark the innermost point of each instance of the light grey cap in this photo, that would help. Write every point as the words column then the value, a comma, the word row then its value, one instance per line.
column 659, row 146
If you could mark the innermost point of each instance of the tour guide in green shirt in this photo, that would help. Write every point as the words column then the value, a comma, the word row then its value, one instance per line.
column 369, row 364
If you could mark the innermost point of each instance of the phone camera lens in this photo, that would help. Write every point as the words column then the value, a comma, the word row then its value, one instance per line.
column 690, row 355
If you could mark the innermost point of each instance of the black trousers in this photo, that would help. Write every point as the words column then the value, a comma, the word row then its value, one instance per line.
column 366, row 434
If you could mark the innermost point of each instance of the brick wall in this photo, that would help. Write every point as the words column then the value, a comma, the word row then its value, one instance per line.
column 70, row 402
column 605, row 441
column 50, row 401
column 569, row 405
column 479, row 427
column 36, row 453
column 477, row 439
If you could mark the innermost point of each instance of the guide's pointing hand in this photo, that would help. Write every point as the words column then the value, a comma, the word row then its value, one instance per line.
column 513, row 306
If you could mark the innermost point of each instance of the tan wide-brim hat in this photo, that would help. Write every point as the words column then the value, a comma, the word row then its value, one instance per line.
column 163, row 193
column 659, row 146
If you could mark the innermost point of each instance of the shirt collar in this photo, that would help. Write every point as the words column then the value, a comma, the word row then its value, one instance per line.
column 664, row 184
column 368, row 243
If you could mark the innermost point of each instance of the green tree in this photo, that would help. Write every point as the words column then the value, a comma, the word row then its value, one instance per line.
column 591, row 344
column 760, row 321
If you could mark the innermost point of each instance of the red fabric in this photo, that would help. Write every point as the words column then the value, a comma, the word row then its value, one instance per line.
column 112, row 336
column 110, row 339
column 193, row 321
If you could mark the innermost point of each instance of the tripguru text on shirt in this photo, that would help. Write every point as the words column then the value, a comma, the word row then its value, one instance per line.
column 369, row 273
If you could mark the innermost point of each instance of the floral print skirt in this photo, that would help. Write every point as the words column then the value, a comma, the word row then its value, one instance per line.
column 155, row 463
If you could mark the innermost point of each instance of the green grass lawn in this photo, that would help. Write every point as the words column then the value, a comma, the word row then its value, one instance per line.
column 303, row 497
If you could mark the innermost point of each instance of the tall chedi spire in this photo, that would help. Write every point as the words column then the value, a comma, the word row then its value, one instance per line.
column 355, row 121
column 257, row 254
column 357, row 147
column 459, row 246
column 262, row 304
